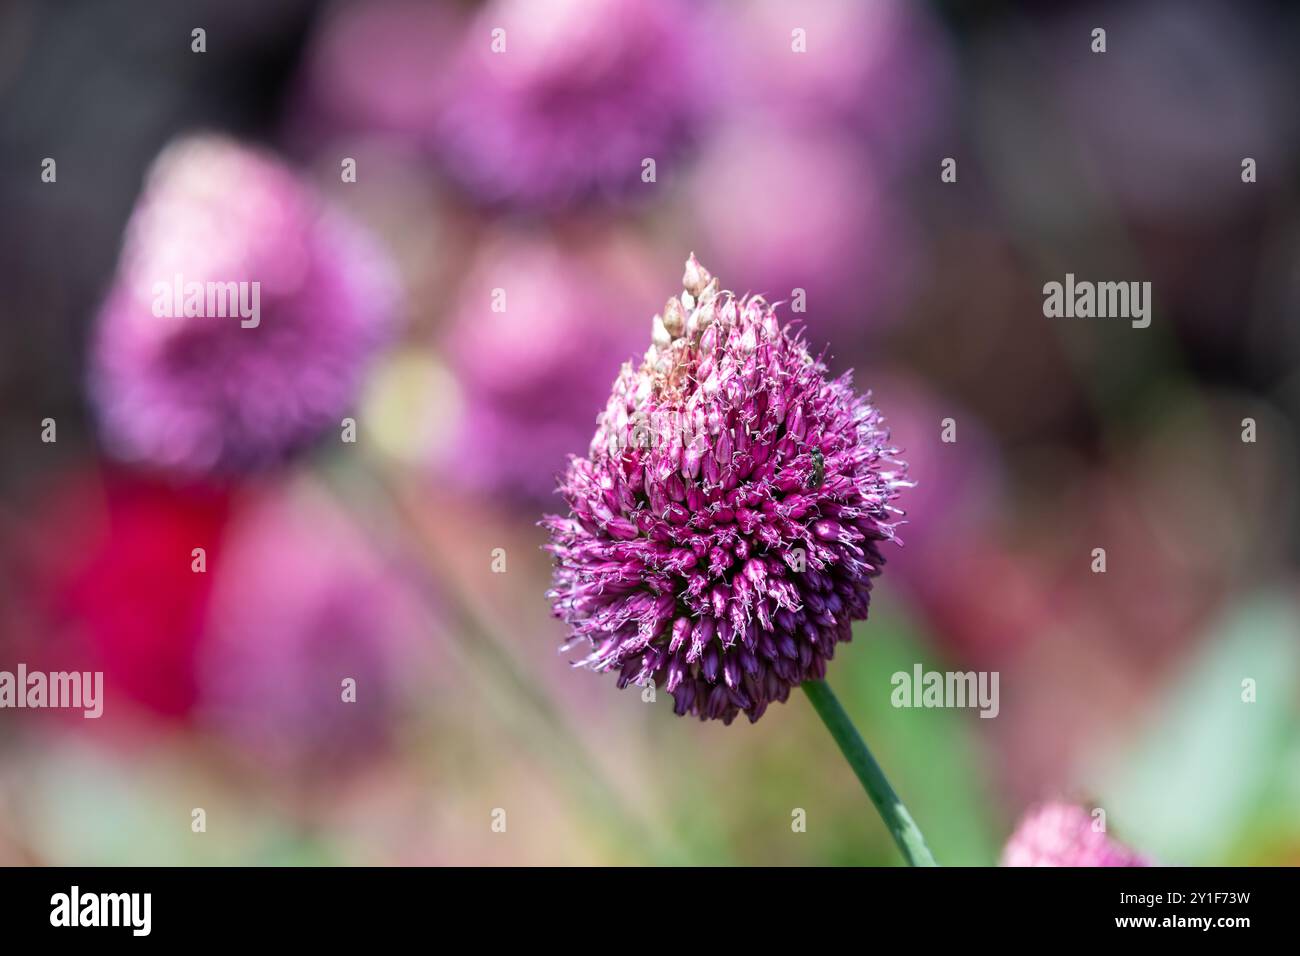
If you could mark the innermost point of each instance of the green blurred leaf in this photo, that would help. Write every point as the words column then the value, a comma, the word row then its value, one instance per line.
column 931, row 756
column 1191, row 786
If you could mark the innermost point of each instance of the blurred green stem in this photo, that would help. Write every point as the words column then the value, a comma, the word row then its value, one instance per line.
column 900, row 823
column 523, row 706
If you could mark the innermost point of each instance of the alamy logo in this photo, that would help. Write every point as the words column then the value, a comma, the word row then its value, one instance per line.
column 1100, row 300
column 923, row 688
column 102, row 909
column 73, row 690
column 181, row 299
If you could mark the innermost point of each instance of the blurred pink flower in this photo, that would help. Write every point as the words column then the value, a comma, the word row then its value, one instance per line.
column 1061, row 834
column 538, row 333
column 882, row 68
column 572, row 100
column 781, row 209
column 377, row 66
column 302, row 603
column 196, row 393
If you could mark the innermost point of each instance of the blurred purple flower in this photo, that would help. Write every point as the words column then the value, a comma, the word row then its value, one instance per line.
column 804, row 210
column 882, row 68
column 215, row 392
column 537, row 335
column 724, row 528
column 377, row 66
column 301, row 603
column 581, row 94
column 1061, row 834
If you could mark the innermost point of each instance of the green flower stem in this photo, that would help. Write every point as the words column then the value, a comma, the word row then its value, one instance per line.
column 900, row 823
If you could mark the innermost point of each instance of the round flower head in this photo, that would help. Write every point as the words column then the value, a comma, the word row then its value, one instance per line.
column 724, row 528
column 1061, row 834
column 241, row 316
column 564, row 101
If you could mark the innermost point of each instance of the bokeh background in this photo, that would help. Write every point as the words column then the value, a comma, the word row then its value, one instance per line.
column 380, row 560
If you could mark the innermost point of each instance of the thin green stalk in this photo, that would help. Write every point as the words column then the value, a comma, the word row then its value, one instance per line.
column 538, row 721
column 900, row 823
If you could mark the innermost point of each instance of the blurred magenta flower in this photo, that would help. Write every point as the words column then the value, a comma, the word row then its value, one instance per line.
column 804, row 210
column 302, row 603
column 538, row 333
column 241, row 318
column 559, row 102
column 108, row 571
column 723, row 530
column 377, row 66
column 883, row 69
column 1061, row 834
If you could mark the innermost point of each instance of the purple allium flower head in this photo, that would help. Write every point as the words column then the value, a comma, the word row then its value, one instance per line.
column 1061, row 834
column 562, row 101
column 218, row 226
column 723, row 530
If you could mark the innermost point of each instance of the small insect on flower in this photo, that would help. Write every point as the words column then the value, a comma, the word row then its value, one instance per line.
column 818, row 473
column 715, row 560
